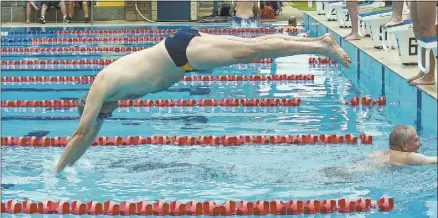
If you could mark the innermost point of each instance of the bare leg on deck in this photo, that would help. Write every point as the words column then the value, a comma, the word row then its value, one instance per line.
column 424, row 26
column 353, row 10
column 397, row 11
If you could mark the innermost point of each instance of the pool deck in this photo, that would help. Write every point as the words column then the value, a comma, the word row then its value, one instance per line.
column 389, row 59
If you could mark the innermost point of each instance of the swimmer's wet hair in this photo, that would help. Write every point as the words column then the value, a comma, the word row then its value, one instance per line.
column 399, row 134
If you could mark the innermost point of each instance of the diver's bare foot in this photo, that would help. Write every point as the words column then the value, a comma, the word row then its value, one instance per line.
column 427, row 79
column 353, row 37
column 334, row 51
column 419, row 75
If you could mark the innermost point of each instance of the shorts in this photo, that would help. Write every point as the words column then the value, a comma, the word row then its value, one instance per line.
column 176, row 45
column 50, row 4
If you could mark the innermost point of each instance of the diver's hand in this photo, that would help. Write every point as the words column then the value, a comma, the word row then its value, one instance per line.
column 76, row 147
column 63, row 161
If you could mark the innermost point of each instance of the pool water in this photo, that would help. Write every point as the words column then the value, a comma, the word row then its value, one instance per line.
column 249, row 172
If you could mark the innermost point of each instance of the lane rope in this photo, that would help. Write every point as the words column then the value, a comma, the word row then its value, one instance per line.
column 231, row 102
column 95, row 67
column 104, row 40
column 90, row 79
column 195, row 208
column 192, row 140
column 162, row 103
column 366, row 101
column 82, row 62
column 92, row 50
column 150, row 31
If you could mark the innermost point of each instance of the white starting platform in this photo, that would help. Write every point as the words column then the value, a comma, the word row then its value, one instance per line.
column 406, row 42
column 374, row 21
column 343, row 17
column 330, row 8
column 319, row 6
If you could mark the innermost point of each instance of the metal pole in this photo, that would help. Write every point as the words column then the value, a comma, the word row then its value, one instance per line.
column 92, row 12
column 10, row 6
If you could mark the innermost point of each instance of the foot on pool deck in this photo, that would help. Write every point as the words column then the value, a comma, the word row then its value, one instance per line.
column 427, row 79
column 419, row 75
column 352, row 36
column 334, row 51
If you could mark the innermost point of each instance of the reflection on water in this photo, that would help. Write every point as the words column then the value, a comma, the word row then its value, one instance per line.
column 245, row 23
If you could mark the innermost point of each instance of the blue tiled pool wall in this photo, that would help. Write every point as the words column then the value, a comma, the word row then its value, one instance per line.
column 405, row 104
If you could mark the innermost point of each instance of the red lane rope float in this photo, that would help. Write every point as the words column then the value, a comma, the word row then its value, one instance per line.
column 321, row 60
column 366, row 101
column 167, row 31
column 72, row 50
column 100, row 67
column 195, row 208
column 161, row 103
column 81, row 62
column 90, row 79
column 84, row 40
column 192, row 140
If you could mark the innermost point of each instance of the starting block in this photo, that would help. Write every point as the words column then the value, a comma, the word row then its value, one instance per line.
column 343, row 17
column 374, row 21
column 330, row 8
column 405, row 41
column 319, row 6
column 366, row 18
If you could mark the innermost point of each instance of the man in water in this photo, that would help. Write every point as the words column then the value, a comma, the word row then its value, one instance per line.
column 245, row 11
column 157, row 68
column 403, row 148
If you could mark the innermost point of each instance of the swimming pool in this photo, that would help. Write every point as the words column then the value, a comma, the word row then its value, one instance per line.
column 261, row 171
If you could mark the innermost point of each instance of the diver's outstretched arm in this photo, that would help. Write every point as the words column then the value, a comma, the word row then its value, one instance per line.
column 88, row 128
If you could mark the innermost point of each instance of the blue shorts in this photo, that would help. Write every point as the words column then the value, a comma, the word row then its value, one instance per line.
column 176, row 44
